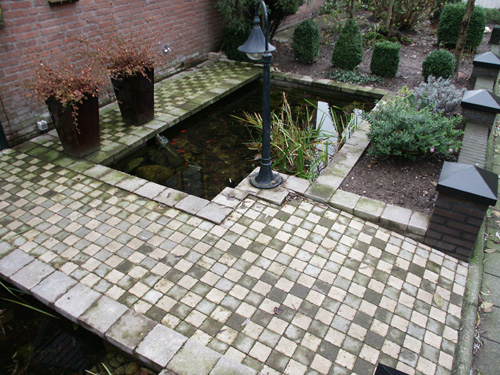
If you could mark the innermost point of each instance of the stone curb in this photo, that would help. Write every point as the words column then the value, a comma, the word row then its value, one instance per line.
column 463, row 351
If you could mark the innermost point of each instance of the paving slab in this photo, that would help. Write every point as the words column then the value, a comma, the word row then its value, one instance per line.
column 194, row 358
column 170, row 197
column 53, row 287
column 369, row 209
column 29, row 276
column 159, row 346
column 129, row 331
column 214, row 212
column 344, row 200
column 227, row 366
column 99, row 317
column 76, row 301
column 150, row 190
column 191, row 204
column 13, row 262
column 320, row 192
column 395, row 217
column 298, row 185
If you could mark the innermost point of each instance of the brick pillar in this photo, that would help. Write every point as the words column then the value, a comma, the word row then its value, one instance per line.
column 486, row 65
column 465, row 193
column 480, row 106
column 495, row 35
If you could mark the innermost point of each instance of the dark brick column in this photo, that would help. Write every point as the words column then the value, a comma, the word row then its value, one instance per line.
column 487, row 65
column 465, row 193
column 480, row 106
column 495, row 35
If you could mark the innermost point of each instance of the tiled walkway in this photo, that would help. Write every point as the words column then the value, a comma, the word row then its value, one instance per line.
column 299, row 288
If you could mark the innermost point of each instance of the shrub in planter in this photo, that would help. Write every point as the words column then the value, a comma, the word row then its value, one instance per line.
column 449, row 26
column 398, row 128
column 385, row 59
column 306, row 38
column 438, row 63
column 348, row 50
column 70, row 93
column 130, row 63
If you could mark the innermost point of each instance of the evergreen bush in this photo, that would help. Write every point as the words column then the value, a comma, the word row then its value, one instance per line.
column 348, row 50
column 438, row 63
column 385, row 59
column 306, row 39
column 439, row 95
column 235, row 36
column 399, row 128
column 450, row 21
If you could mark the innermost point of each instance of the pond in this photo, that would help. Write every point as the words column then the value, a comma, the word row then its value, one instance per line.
column 209, row 151
column 34, row 340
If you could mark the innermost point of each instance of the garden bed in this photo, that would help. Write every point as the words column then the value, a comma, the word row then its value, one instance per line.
column 409, row 184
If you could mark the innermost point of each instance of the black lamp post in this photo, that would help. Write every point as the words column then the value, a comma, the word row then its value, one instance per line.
column 257, row 47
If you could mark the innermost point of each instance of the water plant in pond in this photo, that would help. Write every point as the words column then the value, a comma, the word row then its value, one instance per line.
column 299, row 144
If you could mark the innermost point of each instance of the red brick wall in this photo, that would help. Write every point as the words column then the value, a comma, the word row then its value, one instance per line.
column 191, row 27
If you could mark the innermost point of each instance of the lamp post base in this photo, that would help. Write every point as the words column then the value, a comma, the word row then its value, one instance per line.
column 265, row 180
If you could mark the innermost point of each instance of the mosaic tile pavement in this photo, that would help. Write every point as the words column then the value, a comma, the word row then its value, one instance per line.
column 299, row 288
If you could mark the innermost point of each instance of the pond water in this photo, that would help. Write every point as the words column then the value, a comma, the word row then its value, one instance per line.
column 34, row 343
column 207, row 152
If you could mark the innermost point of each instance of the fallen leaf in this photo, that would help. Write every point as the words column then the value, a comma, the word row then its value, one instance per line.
column 222, row 330
column 257, row 157
column 487, row 306
column 438, row 300
column 330, row 249
column 278, row 310
column 490, row 250
column 247, row 320
column 496, row 213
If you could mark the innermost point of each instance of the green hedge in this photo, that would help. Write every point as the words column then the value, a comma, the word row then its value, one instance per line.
column 385, row 59
column 348, row 50
column 306, row 39
column 439, row 63
column 235, row 36
column 449, row 26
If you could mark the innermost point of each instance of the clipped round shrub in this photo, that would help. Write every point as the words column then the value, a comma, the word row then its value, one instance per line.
column 235, row 36
column 449, row 26
column 438, row 63
column 348, row 50
column 306, row 39
column 385, row 59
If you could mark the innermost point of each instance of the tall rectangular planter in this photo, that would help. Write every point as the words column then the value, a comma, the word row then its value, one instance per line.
column 78, row 128
column 135, row 96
